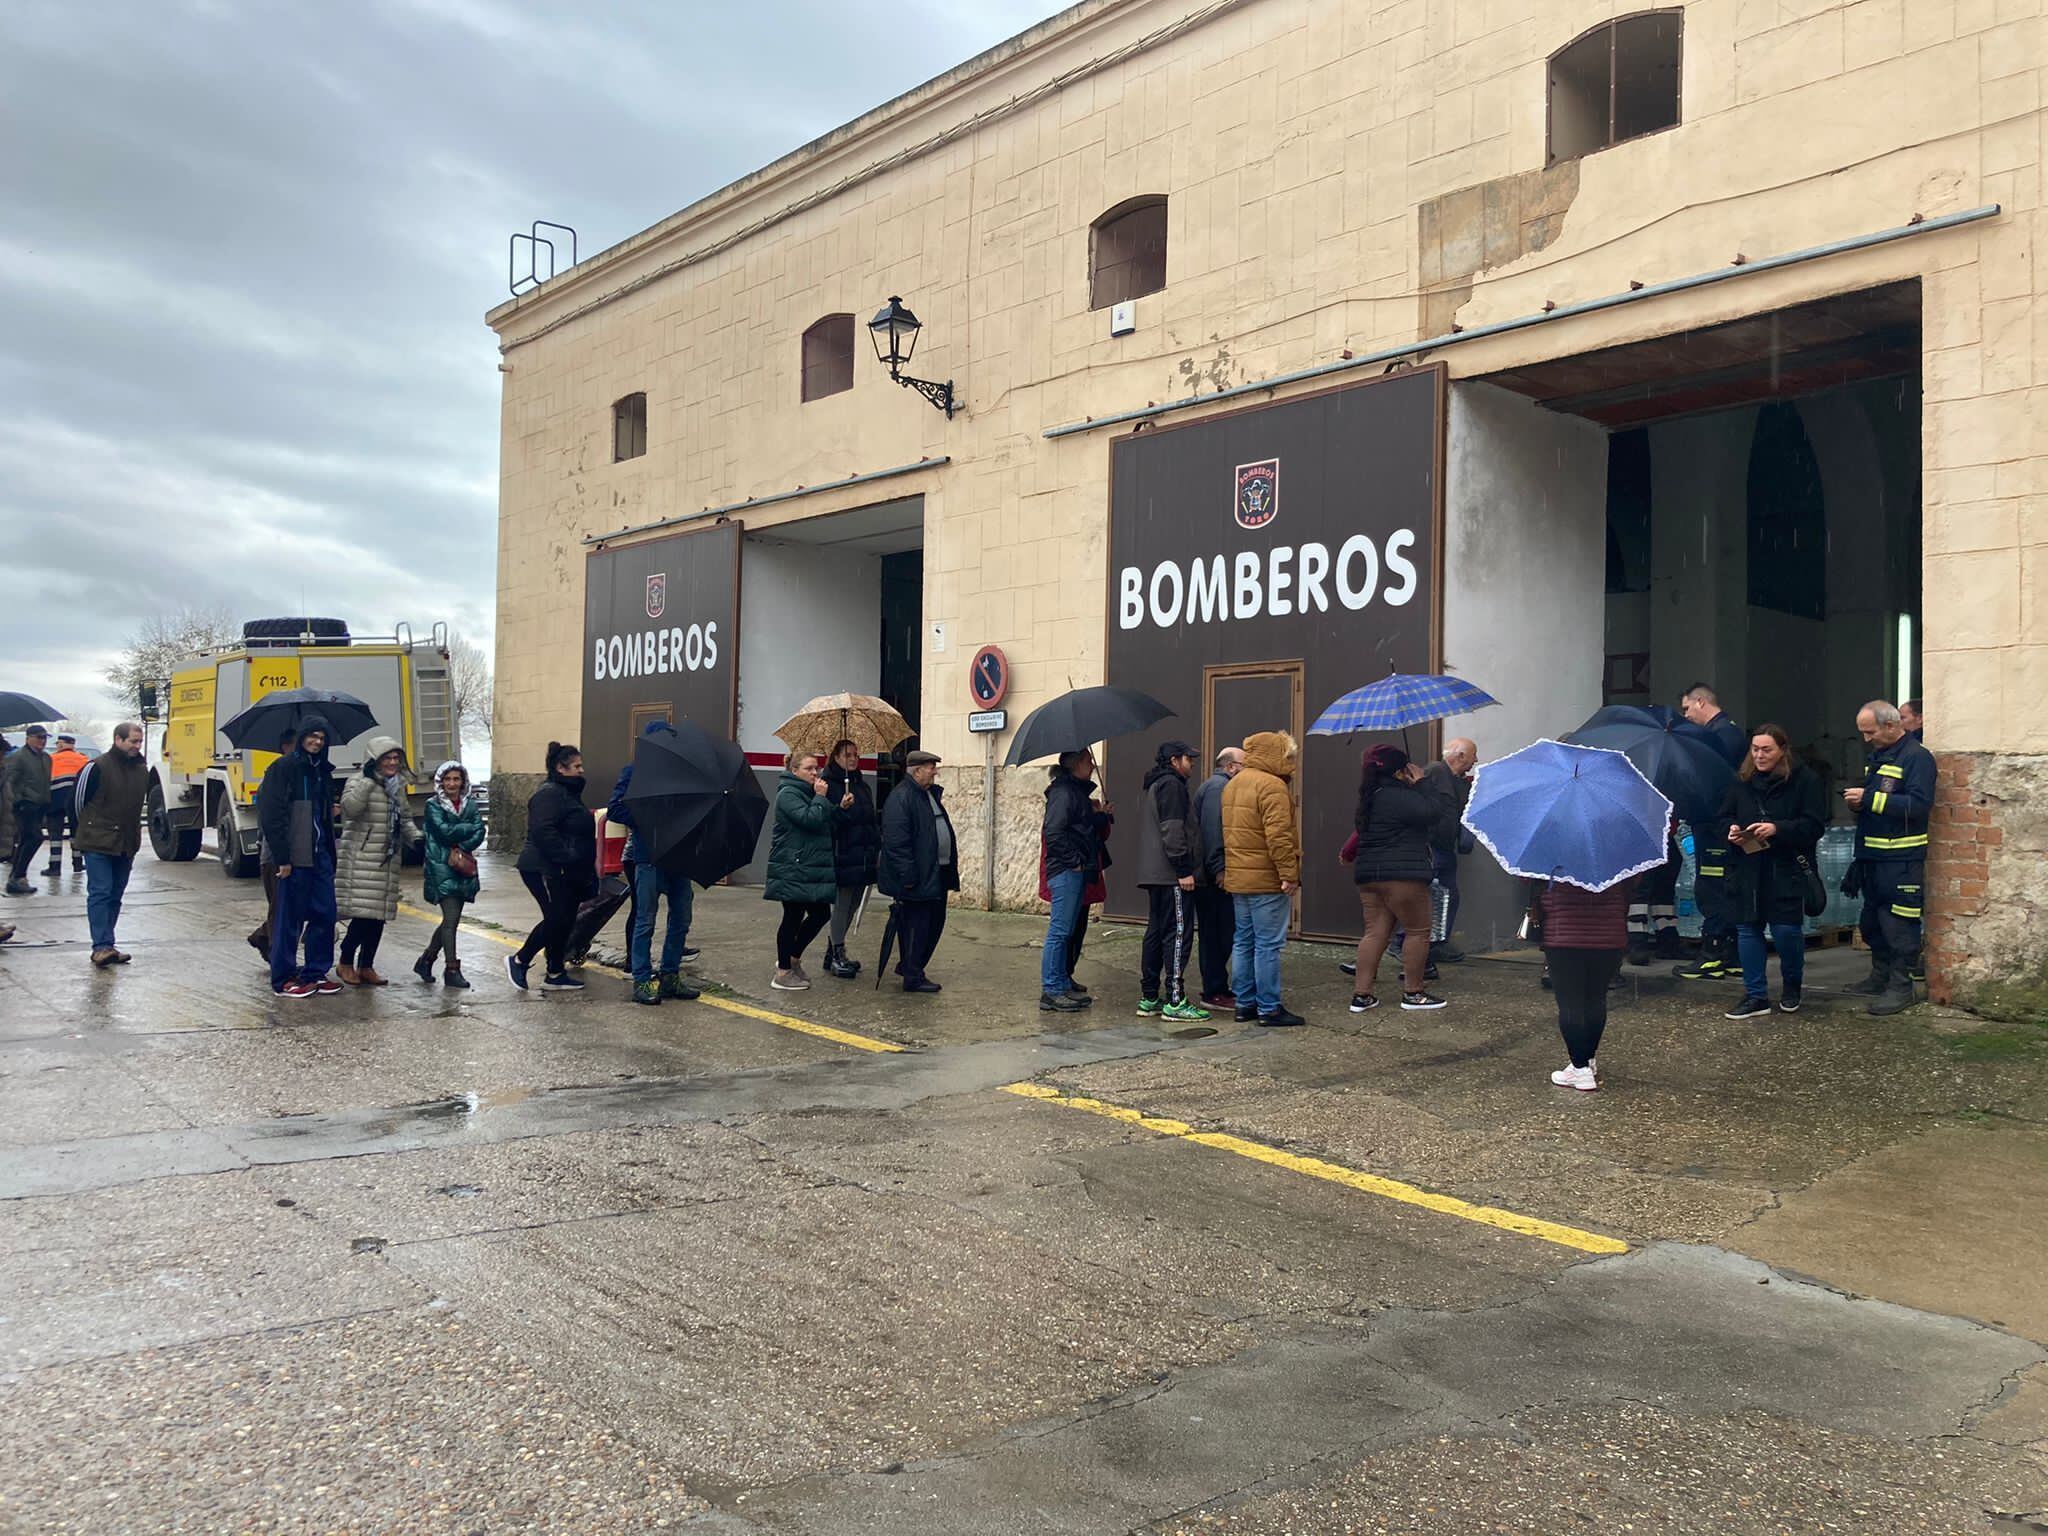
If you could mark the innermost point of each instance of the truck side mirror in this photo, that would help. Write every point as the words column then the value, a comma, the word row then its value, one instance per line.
column 146, row 698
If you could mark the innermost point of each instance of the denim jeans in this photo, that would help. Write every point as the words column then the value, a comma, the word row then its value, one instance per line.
column 1066, row 888
column 106, row 878
column 1255, row 960
column 1789, row 939
column 305, row 908
column 649, row 883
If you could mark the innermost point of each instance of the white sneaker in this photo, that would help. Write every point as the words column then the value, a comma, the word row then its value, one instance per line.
column 790, row 981
column 1581, row 1078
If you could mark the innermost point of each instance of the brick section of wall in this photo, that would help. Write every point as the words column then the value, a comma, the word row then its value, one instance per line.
column 1958, row 871
column 1987, row 884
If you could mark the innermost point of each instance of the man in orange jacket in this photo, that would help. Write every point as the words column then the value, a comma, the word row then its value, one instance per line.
column 65, row 764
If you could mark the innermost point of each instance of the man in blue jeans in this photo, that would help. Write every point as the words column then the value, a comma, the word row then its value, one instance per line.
column 107, row 809
column 1073, row 857
column 650, row 884
column 1261, row 868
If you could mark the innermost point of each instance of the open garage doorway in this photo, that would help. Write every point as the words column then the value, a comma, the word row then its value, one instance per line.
column 1737, row 506
column 829, row 604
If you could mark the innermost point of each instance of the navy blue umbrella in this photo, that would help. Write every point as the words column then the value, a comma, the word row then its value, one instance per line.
column 1582, row 815
column 1682, row 759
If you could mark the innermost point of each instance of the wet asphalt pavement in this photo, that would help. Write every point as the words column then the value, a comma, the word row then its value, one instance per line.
column 413, row 1260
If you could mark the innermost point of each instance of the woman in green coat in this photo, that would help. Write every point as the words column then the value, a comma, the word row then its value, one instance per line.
column 455, row 827
column 802, row 874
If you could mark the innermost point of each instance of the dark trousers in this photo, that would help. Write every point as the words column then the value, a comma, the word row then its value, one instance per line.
column 260, row 937
column 558, row 898
column 305, row 911
column 1579, row 978
column 1169, row 934
column 1216, row 925
column 28, row 837
column 1710, row 895
column 359, row 944
column 1074, row 942
column 918, row 928
column 802, row 921
column 1893, row 894
column 57, row 824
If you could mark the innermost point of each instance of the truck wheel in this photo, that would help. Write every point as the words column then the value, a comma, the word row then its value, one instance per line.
column 330, row 630
column 235, row 862
column 171, row 843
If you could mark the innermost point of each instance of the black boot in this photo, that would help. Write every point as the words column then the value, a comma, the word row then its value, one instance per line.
column 1879, row 981
column 1897, row 998
column 835, row 963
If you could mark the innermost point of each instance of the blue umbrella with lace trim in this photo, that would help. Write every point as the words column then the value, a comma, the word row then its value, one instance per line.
column 1583, row 815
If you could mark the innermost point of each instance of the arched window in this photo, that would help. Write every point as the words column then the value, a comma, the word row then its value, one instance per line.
column 629, row 427
column 828, row 357
column 1788, row 517
column 1616, row 82
column 1127, row 252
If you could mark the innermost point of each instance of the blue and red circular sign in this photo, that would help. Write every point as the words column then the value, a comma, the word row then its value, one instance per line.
column 988, row 677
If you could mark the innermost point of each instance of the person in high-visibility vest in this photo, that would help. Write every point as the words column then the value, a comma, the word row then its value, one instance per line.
column 1892, row 808
column 65, row 765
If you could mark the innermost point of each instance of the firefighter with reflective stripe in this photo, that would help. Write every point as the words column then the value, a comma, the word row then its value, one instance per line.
column 1702, row 707
column 1892, row 807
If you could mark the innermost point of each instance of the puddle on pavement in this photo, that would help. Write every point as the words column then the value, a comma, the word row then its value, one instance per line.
column 1194, row 1032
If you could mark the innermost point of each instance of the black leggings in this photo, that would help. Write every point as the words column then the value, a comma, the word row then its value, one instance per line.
column 558, row 898
column 1579, row 977
column 802, row 921
column 443, row 941
column 359, row 944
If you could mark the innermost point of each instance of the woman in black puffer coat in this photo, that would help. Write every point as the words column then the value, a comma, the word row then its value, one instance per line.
column 856, row 848
column 1776, row 807
column 559, row 866
column 1399, row 811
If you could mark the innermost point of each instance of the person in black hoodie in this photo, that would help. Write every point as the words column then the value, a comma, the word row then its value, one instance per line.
column 295, row 808
column 1773, row 817
column 559, row 865
column 856, row 849
column 1169, row 853
column 1073, row 857
column 1400, row 813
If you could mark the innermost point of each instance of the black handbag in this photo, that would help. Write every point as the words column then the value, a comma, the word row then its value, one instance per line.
column 1812, row 893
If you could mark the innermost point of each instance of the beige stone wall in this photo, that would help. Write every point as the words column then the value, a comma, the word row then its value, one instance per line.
column 1299, row 142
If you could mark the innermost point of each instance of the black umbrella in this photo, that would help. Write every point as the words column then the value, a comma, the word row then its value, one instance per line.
column 1680, row 758
column 1080, row 719
column 697, row 806
column 24, row 709
column 265, row 722
column 888, row 941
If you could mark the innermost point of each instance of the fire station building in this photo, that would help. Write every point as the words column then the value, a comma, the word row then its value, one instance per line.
column 1260, row 346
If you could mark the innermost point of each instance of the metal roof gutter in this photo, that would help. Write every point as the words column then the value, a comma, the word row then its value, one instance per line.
column 1522, row 323
column 768, row 501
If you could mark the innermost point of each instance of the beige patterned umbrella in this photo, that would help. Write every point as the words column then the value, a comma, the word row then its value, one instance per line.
column 869, row 723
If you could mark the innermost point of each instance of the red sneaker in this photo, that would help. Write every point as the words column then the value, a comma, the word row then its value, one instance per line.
column 326, row 986
column 1219, row 999
column 295, row 989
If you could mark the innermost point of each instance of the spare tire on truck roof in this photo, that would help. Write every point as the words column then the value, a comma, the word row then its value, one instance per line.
column 296, row 631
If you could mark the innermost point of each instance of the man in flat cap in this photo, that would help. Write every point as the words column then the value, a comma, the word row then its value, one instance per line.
column 920, row 865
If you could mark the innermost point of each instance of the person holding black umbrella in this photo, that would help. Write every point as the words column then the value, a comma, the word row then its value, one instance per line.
column 1073, row 858
column 920, row 865
column 651, row 883
column 558, row 865
column 266, row 863
column 26, row 783
column 801, row 874
column 295, row 808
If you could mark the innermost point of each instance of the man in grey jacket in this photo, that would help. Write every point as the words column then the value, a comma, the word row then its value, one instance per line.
column 26, row 784
column 1215, row 914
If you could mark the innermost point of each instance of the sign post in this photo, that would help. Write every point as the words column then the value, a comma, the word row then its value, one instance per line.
column 988, row 683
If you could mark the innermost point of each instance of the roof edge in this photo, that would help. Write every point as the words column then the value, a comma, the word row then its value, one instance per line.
column 930, row 95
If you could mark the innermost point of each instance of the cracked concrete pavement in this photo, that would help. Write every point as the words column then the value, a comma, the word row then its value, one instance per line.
column 412, row 1260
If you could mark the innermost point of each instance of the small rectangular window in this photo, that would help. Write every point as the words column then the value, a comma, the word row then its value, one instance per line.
column 1127, row 256
column 828, row 357
column 1617, row 82
column 629, row 428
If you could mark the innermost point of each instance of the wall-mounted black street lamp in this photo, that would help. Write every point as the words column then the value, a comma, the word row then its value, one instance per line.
column 894, row 330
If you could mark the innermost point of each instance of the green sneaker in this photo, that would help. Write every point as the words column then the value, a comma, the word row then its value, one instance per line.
column 1185, row 1011
column 1148, row 1007
column 1701, row 970
column 648, row 992
column 673, row 985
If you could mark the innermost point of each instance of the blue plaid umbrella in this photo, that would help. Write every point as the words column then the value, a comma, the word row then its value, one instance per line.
column 1583, row 815
column 1398, row 700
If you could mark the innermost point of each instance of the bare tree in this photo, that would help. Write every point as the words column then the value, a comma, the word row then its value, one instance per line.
column 162, row 642
column 469, row 675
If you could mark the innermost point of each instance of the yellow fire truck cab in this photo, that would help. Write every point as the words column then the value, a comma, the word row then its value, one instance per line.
column 199, row 780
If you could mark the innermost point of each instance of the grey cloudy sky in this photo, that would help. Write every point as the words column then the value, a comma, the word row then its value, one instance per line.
column 246, row 250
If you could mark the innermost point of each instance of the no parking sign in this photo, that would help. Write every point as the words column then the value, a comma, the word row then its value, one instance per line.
column 988, row 677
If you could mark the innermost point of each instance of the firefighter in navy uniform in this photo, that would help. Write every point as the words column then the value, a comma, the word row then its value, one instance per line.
column 1702, row 709
column 1890, row 871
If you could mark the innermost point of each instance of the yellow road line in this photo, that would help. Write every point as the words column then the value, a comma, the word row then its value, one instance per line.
column 746, row 1010
column 1334, row 1173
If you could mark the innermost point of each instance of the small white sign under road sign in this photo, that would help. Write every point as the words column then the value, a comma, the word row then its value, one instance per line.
column 984, row 720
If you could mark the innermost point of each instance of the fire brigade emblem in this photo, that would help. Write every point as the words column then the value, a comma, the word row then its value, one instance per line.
column 657, row 595
column 1257, row 500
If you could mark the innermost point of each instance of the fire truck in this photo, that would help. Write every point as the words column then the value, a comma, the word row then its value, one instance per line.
column 199, row 780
